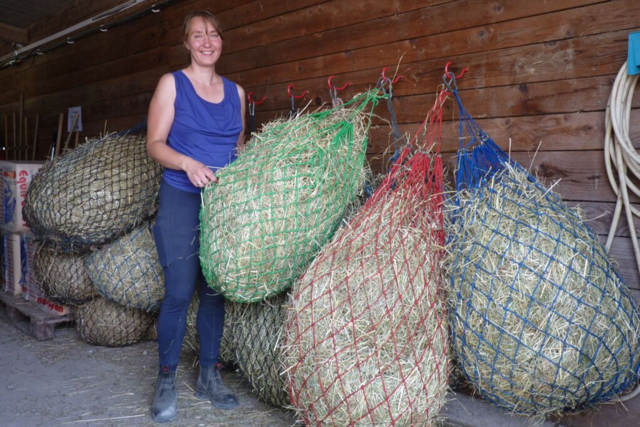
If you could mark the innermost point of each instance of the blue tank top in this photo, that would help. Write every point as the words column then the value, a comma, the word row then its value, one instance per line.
column 203, row 130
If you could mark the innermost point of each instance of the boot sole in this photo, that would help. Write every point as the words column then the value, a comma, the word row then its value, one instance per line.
column 204, row 396
column 161, row 420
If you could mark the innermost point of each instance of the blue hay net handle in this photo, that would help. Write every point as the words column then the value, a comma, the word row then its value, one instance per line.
column 478, row 155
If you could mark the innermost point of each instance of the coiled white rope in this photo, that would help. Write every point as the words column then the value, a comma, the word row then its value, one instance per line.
column 619, row 154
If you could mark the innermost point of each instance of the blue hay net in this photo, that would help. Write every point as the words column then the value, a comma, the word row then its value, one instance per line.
column 128, row 272
column 541, row 323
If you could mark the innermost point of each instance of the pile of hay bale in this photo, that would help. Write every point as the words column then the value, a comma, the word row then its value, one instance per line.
column 90, row 211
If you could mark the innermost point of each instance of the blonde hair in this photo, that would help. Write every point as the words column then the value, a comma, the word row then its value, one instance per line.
column 204, row 14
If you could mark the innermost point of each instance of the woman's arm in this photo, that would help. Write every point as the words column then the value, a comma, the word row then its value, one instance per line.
column 161, row 114
column 243, row 107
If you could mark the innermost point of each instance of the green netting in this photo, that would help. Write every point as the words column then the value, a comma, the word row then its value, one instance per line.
column 282, row 199
column 92, row 194
column 128, row 272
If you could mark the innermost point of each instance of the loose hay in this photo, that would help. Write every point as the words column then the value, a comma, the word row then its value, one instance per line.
column 281, row 200
column 94, row 193
column 62, row 277
column 258, row 335
column 366, row 338
column 128, row 271
column 102, row 322
column 191, row 340
column 541, row 322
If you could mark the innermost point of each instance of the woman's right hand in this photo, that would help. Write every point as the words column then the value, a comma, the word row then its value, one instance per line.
column 198, row 173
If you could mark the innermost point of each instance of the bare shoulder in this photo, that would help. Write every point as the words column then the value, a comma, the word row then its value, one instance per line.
column 167, row 83
column 240, row 91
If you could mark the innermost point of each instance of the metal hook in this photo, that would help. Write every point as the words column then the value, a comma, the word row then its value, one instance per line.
column 451, row 84
column 335, row 88
column 290, row 92
column 384, row 77
column 251, row 101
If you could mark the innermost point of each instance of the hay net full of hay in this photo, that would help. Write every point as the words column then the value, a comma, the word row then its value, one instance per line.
column 94, row 193
column 128, row 272
column 366, row 336
column 541, row 323
column 282, row 199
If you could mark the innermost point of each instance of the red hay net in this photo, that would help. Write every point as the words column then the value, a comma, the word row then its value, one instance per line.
column 366, row 338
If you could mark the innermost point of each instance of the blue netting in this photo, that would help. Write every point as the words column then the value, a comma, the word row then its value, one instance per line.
column 541, row 323
column 128, row 271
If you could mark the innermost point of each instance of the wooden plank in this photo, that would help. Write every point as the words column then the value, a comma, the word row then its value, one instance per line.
column 28, row 317
column 175, row 14
column 438, row 19
column 577, row 58
column 13, row 34
column 552, row 132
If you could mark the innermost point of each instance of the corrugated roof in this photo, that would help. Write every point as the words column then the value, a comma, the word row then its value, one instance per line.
column 22, row 13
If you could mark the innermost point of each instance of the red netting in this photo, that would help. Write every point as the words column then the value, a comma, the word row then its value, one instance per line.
column 366, row 338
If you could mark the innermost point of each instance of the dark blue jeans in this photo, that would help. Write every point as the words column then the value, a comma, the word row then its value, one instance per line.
column 177, row 235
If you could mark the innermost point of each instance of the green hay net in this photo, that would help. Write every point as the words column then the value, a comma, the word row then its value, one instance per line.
column 282, row 199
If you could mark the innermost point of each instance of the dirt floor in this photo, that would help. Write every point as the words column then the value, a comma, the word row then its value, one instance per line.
column 66, row 382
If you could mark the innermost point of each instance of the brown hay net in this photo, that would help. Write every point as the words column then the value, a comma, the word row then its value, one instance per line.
column 102, row 322
column 258, row 335
column 367, row 340
column 94, row 193
column 128, row 271
column 62, row 277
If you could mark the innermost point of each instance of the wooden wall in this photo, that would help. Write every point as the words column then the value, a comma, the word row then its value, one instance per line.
column 540, row 73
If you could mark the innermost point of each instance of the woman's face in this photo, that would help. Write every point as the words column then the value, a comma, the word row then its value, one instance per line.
column 203, row 42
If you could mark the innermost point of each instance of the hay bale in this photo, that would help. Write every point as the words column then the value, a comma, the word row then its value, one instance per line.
column 281, row 200
column 102, row 322
column 92, row 194
column 541, row 322
column 258, row 334
column 366, row 339
column 128, row 270
column 62, row 277
column 191, row 340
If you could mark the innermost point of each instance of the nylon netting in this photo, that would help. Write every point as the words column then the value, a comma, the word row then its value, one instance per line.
column 541, row 323
column 62, row 277
column 366, row 339
column 105, row 323
column 191, row 340
column 128, row 272
column 257, row 332
column 282, row 199
column 94, row 193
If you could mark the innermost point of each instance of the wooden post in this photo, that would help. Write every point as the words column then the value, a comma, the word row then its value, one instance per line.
column 75, row 143
column 35, row 137
column 73, row 126
column 15, row 136
column 59, row 137
column 6, row 137
column 19, row 145
column 26, row 138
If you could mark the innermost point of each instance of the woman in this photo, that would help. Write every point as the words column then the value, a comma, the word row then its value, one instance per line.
column 195, row 126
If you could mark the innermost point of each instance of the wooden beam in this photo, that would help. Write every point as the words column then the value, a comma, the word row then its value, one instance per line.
column 13, row 34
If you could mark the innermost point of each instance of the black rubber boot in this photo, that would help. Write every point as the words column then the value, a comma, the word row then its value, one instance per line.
column 163, row 409
column 210, row 387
